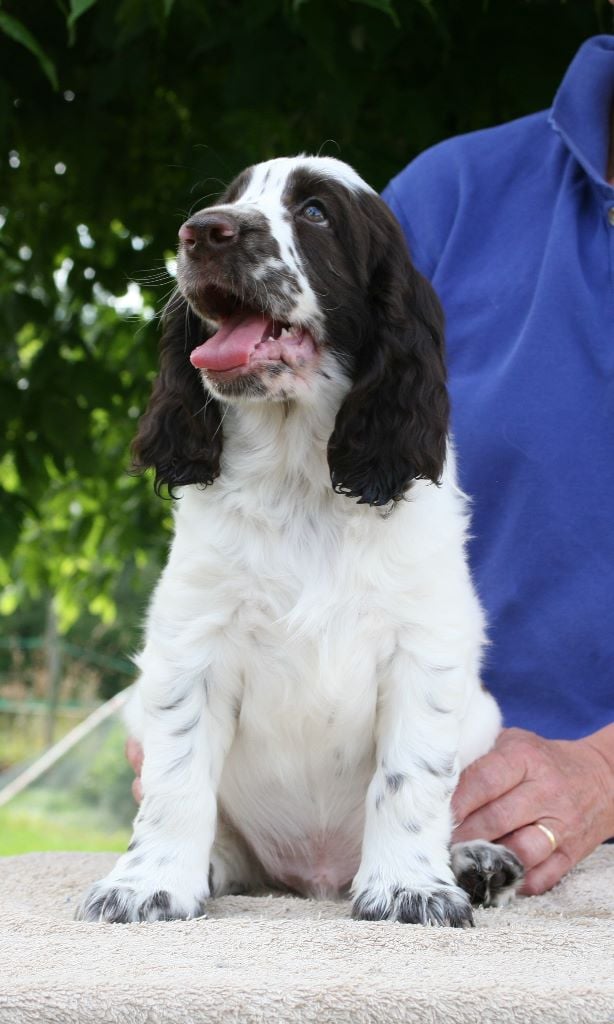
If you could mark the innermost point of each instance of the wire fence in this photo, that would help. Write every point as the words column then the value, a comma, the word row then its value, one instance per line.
column 89, row 655
column 64, row 779
column 47, row 686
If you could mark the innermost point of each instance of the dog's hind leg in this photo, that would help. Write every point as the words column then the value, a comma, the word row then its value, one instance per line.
column 489, row 873
column 233, row 868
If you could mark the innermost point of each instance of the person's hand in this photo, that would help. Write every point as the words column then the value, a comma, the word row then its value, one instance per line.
column 567, row 786
column 134, row 753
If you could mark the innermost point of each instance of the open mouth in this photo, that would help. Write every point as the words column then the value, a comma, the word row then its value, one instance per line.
column 247, row 340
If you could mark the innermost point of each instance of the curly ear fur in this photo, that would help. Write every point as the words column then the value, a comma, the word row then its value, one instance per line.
column 392, row 426
column 180, row 433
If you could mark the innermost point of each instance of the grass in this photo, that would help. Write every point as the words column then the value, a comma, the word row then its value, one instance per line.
column 51, row 819
column 24, row 832
column 83, row 802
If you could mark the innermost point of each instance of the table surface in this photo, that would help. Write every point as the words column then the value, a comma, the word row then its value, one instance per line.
column 281, row 958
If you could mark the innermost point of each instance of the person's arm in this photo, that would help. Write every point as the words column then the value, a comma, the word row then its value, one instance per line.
column 565, row 785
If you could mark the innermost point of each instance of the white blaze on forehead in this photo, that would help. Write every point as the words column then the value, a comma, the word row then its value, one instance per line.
column 264, row 193
column 280, row 168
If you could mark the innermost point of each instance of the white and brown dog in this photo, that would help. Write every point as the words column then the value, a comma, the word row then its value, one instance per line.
column 310, row 678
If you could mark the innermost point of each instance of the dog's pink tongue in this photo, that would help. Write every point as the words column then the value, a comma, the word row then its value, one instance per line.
column 232, row 345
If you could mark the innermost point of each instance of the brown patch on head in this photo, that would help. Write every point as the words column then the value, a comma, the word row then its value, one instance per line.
column 237, row 186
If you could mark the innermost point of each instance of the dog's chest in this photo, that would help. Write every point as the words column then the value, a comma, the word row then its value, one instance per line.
column 303, row 751
column 295, row 779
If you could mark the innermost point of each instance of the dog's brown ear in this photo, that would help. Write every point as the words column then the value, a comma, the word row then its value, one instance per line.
column 392, row 426
column 180, row 433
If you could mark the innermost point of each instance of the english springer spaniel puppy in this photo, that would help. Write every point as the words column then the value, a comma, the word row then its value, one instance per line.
column 309, row 684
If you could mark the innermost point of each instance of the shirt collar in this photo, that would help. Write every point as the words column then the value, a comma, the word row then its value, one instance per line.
column 581, row 109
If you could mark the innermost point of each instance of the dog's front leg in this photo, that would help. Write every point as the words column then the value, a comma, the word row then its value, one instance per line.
column 188, row 728
column 405, row 872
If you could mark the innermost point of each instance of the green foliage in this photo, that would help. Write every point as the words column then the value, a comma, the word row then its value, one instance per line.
column 121, row 115
column 14, row 29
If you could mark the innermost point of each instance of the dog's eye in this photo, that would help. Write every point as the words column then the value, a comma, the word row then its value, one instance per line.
column 314, row 212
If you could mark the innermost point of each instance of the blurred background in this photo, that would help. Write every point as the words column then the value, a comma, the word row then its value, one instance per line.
column 117, row 118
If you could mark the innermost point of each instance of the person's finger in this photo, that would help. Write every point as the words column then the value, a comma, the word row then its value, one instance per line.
column 134, row 753
column 546, row 874
column 520, row 806
column 483, row 781
column 530, row 844
column 137, row 789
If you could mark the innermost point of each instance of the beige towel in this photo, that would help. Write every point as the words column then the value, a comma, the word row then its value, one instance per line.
column 279, row 958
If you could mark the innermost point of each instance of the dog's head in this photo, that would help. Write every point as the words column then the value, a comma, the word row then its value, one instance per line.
column 300, row 270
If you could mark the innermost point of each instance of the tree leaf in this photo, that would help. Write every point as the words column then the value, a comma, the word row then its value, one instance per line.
column 77, row 8
column 17, row 31
column 386, row 6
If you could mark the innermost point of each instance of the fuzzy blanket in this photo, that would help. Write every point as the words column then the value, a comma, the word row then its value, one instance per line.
column 547, row 959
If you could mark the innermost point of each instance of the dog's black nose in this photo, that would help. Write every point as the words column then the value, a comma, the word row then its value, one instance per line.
column 208, row 231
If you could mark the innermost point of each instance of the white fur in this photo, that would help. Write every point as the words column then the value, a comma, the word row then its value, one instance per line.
column 318, row 663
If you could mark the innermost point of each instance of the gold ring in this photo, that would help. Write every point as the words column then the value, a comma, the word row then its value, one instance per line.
column 547, row 832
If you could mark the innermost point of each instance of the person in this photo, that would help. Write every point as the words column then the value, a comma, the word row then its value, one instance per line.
column 514, row 226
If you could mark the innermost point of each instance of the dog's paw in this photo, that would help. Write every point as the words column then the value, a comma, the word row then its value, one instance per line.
column 442, row 905
column 136, row 900
column 488, row 872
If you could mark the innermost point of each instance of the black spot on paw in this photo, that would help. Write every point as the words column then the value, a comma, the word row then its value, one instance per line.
column 489, row 873
column 446, row 907
column 410, row 907
column 90, row 909
column 157, row 908
column 370, row 907
column 443, row 907
column 473, row 881
column 117, row 906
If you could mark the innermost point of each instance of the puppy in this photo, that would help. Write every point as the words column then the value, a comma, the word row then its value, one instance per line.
column 309, row 684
